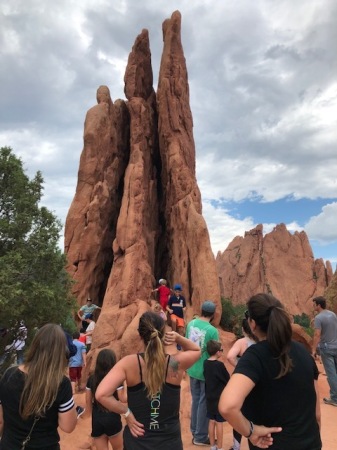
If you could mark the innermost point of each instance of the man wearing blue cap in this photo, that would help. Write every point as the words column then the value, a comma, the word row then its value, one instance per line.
column 200, row 331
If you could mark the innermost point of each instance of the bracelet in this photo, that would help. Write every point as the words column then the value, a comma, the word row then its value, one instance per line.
column 251, row 429
column 125, row 415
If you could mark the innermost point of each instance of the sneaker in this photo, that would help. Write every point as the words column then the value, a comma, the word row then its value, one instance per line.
column 79, row 411
column 205, row 444
column 328, row 401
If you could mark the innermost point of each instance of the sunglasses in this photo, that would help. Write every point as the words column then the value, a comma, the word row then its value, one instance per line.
column 247, row 314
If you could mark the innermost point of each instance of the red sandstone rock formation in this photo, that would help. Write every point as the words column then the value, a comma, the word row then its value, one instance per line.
column 331, row 292
column 280, row 263
column 190, row 256
column 136, row 215
column 91, row 221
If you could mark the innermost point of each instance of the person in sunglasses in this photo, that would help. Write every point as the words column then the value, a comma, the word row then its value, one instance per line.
column 276, row 381
column 233, row 356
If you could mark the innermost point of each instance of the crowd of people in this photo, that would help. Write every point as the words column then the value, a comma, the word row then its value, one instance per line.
column 271, row 398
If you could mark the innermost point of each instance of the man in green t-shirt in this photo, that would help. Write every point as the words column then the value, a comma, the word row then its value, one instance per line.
column 200, row 330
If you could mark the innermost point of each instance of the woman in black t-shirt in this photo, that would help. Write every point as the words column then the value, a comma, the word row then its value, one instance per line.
column 36, row 397
column 276, row 380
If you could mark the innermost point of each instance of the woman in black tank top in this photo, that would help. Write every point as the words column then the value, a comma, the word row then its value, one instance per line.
column 153, row 383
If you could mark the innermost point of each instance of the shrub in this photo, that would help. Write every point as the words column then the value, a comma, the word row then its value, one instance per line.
column 232, row 316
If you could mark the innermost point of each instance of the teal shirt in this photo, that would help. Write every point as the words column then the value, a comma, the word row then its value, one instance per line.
column 200, row 332
column 88, row 309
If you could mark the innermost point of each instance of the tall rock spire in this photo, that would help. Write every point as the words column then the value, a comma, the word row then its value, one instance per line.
column 137, row 215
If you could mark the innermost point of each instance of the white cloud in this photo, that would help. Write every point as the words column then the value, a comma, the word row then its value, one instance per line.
column 262, row 84
column 223, row 227
column 323, row 227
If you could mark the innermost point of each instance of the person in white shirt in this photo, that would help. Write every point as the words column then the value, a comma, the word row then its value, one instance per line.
column 90, row 328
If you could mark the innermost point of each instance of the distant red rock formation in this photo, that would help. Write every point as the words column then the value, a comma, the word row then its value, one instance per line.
column 137, row 215
column 331, row 293
column 279, row 263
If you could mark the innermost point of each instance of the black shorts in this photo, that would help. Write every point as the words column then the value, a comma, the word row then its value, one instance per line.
column 108, row 423
column 217, row 417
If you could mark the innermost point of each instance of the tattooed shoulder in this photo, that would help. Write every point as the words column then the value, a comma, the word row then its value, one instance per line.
column 173, row 366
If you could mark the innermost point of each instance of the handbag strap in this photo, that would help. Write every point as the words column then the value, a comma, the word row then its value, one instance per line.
column 25, row 442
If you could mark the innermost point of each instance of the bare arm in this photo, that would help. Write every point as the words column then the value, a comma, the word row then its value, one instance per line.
column 84, row 356
column 79, row 314
column 122, row 394
column 191, row 351
column 67, row 420
column 235, row 351
column 231, row 400
column 88, row 403
column 317, row 337
column 108, row 386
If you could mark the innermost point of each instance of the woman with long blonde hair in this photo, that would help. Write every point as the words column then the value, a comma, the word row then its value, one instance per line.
column 36, row 397
column 153, row 386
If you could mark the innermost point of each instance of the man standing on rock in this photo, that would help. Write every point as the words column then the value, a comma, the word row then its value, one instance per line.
column 200, row 331
column 88, row 308
column 325, row 338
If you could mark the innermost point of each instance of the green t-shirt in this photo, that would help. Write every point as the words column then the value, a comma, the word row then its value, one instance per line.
column 200, row 332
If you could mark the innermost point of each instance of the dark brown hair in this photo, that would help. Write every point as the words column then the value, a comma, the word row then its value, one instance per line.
column 273, row 320
column 320, row 301
column 213, row 347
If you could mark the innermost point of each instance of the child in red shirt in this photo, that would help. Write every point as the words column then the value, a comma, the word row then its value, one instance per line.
column 164, row 293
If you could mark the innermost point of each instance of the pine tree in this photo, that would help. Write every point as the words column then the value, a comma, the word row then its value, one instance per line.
column 35, row 286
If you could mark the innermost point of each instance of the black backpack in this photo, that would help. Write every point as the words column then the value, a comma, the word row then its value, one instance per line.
column 72, row 349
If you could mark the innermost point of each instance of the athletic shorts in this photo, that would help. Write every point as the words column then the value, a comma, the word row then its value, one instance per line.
column 75, row 373
column 179, row 320
column 108, row 423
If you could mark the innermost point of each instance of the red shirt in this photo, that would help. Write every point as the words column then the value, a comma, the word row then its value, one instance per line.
column 164, row 293
column 82, row 338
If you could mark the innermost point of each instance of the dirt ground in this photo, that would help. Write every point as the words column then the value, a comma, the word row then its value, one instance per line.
column 80, row 439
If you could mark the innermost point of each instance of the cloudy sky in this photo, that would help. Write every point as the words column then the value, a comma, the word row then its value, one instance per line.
column 263, row 87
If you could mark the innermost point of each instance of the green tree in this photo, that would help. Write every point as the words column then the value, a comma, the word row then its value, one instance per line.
column 303, row 320
column 35, row 286
column 231, row 316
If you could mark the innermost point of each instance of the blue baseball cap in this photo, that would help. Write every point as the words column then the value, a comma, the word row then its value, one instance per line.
column 177, row 287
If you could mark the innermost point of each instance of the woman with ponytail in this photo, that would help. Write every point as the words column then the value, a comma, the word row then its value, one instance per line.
column 153, row 387
column 276, row 382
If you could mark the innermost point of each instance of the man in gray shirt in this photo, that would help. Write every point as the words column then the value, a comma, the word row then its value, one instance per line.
column 325, row 338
